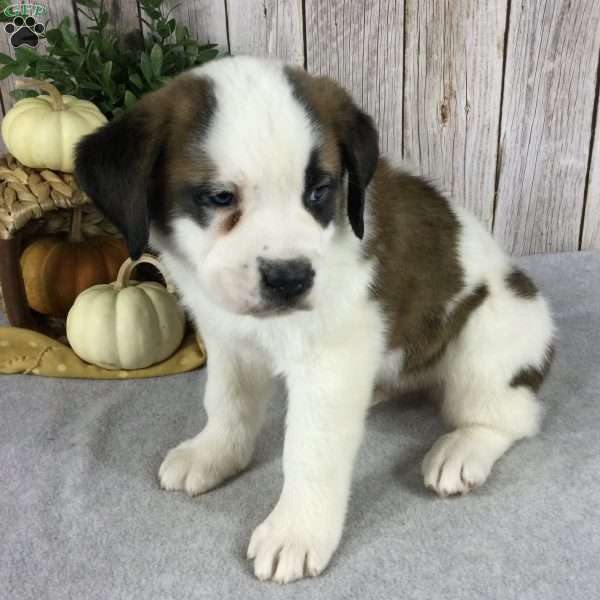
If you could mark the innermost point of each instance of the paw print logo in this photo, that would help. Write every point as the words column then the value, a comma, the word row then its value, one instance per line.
column 24, row 32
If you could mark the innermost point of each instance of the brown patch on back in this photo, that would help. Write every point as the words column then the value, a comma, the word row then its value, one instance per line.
column 415, row 240
column 428, row 348
column 521, row 284
column 533, row 377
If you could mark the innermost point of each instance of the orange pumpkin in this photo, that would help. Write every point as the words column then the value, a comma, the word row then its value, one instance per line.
column 57, row 269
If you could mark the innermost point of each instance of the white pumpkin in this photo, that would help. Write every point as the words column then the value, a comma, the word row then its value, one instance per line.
column 42, row 132
column 126, row 324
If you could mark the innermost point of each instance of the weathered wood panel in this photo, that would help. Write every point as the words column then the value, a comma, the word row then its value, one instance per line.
column 266, row 28
column 57, row 10
column 360, row 45
column 452, row 90
column 591, row 224
column 206, row 20
column 546, row 124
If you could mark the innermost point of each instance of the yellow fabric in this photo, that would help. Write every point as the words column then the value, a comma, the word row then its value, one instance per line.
column 30, row 352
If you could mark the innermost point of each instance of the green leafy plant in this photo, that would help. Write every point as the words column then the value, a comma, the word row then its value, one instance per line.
column 109, row 69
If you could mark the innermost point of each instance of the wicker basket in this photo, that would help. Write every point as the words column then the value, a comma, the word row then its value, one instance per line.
column 36, row 202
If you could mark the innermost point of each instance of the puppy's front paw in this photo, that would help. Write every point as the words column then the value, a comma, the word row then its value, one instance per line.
column 284, row 550
column 462, row 460
column 197, row 466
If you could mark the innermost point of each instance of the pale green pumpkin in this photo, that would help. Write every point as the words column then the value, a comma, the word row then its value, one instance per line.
column 42, row 132
column 126, row 324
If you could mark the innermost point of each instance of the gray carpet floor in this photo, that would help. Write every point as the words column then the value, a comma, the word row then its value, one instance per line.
column 82, row 516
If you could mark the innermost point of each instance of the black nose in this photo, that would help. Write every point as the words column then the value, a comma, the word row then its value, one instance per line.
column 285, row 280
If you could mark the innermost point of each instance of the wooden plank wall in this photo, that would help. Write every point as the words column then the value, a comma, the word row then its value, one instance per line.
column 550, row 88
column 495, row 101
column 452, row 96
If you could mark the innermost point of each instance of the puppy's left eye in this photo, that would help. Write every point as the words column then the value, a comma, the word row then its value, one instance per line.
column 320, row 193
column 222, row 199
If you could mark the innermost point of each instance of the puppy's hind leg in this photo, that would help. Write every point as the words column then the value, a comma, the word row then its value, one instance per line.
column 492, row 372
column 236, row 395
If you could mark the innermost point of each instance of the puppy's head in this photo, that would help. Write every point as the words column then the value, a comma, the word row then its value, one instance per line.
column 247, row 171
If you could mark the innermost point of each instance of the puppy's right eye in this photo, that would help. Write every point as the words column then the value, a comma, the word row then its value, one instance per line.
column 320, row 193
column 222, row 199
column 204, row 198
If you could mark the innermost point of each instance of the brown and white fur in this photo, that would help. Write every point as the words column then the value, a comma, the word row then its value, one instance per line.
column 300, row 253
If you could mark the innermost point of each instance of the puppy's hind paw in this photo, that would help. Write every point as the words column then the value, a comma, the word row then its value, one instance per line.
column 462, row 460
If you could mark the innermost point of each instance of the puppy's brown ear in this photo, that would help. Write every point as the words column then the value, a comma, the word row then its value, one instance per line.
column 330, row 105
column 115, row 167
column 360, row 153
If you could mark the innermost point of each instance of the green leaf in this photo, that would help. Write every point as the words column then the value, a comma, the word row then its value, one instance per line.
column 156, row 57
column 54, row 37
column 26, row 55
column 152, row 9
column 103, row 20
column 69, row 38
column 146, row 66
column 106, row 74
column 136, row 80
column 163, row 31
column 192, row 52
column 93, row 63
column 5, row 59
column 90, row 85
column 129, row 99
column 180, row 63
column 181, row 33
column 206, row 55
column 107, row 45
column 8, row 70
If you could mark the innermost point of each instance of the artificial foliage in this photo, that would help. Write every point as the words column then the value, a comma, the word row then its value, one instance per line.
column 110, row 69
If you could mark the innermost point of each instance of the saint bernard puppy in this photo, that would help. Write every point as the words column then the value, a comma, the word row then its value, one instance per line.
column 300, row 253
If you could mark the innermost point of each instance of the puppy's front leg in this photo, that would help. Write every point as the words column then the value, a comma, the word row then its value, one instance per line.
column 328, row 398
column 235, row 400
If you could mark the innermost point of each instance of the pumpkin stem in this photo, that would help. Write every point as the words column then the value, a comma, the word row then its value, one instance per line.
column 75, row 235
column 129, row 265
column 44, row 86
